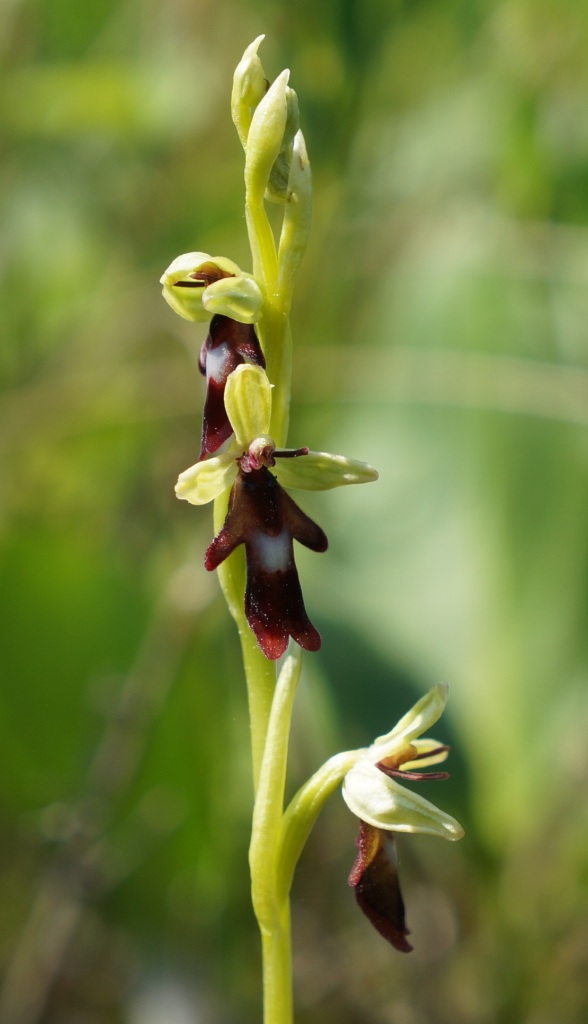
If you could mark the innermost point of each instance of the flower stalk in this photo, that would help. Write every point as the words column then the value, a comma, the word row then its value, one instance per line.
column 245, row 469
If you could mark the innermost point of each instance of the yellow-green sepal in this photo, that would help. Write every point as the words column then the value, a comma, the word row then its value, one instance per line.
column 379, row 801
column 248, row 401
column 237, row 297
column 206, row 480
column 415, row 722
column 321, row 471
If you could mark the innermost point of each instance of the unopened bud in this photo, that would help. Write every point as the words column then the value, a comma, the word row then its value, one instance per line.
column 297, row 217
column 266, row 137
column 249, row 87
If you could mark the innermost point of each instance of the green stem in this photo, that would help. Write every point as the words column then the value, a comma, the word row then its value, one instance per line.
column 302, row 812
column 276, row 947
column 270, row 702
column 271, row 910
column 262, row 244
column 274, row 328
column 260, row 673
column 276, row 339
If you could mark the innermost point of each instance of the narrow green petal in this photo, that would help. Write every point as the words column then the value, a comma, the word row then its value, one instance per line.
column 422, row 748
column 425, row 713
column 381, row 802
column 237, row 297
column 206, row 480
column 320, row 471
column 248, row 401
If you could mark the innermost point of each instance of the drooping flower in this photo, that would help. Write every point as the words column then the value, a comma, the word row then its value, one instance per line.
column 384, row 807
column 261, row 515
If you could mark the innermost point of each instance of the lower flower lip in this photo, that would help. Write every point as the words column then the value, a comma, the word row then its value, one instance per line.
column 264, row 518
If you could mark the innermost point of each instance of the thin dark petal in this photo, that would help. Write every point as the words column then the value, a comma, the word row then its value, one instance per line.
column 374, row 877
column 391, row 765
column 410, row 776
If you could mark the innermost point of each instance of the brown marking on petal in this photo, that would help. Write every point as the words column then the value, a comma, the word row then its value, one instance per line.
column 410, row 776
column 206, row 274
column 390, row 765
column 374, row 877
column 406, row 753
column 441, row 749
column 290, row 453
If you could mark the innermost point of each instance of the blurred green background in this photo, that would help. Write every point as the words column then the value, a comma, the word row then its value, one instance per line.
column 440, row 332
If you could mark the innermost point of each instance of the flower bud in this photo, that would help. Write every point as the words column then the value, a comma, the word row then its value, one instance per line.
column 297, row 217
column 266, row 137
column 249, row 87
column 278, row 187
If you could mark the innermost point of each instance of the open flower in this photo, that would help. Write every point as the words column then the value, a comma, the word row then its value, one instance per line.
column 261, row 516
column 383, row 806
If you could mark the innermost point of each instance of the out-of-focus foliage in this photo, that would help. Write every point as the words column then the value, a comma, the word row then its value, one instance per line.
column 441, row 334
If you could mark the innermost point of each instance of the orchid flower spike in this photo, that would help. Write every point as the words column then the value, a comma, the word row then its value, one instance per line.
column 384, row 807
